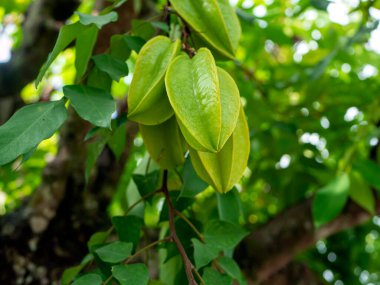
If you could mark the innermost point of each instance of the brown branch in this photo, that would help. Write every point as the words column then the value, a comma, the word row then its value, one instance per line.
column 173, row 233
column 270, row 248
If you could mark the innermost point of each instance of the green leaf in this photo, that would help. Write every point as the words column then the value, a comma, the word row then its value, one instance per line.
column 94, row 150
column 203, row 253
column 66, row 35
column 223, row 235
column 92, row 104
column 99, row 79
column 229, row 206
column 212, row 277
column 146, row 183
column 361, row 193
column 330, row 200
column 70, row 273
column 97, row 238
column 370, row 172
column 128, row 228
column 135, row 43
column 114, row 67
column 143, row 29
column 192, row 184
column 83, row 49
column 230, row 267
column 89, row 279
column 320, row 4
column 99, row 21
column 114, row 252
column 134, row 274
column 28, row 127
column 161, row 25
column 119, row 47
column 118, row 140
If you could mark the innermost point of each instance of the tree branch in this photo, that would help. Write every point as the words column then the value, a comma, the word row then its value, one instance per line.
column 172, row 212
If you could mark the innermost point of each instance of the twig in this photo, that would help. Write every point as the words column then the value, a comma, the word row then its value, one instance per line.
column 173, row 233
column 129, row 259
column 143, row 198
column 191, row 225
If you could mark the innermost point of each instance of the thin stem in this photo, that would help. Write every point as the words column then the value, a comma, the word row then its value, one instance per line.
column 191, row 225
column 143, row 198
column 199, row 276
column 107, row 280
column 129, row 259
column 173, row 233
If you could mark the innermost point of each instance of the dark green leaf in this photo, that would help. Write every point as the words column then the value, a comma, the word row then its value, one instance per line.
column 119, row 47
column 114, row 252
column 128, row 228
column 203, row 253
column 146, row 183
column 99, row 79
column 99, row 21
column 223, row 235
column 370, row 172
column 94, row 150
column 70, row 273
column 92, row 104
column 97, row 238
column 320, row 4
column 118, row 140
column 66, row 35
column 330, row 200
column 28, row 127
column 83, row 49
column 89, row 279
column 135, row 43
column 134, row 274
column 361, row 193
column 162, row 26
column 114, row 67
column 192, row 184
column 229, row 206
column 212, row 277
column 143, row 29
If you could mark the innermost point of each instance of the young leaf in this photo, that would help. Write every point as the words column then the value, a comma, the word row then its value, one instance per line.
column 330, row 200
column 128, row 228
column 114, row 67
column 89, row 279
column 223, row 235
column 114, row 252
column 92, row 104
column 66, row 35
column 203, row 253
column 134, row 274
column 83, row 49
column 99, row 21
column 28, row 127
column 192, row 184
column 212, row 277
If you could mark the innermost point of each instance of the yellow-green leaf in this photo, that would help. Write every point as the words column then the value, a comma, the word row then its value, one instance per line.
column 225, row 168
column 213, row 23
column 165, row 143
column 147, row 100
